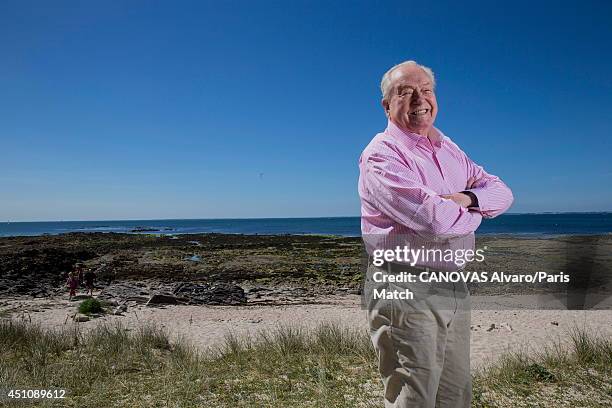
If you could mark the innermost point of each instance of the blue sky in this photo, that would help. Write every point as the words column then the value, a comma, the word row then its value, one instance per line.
column 138, row 110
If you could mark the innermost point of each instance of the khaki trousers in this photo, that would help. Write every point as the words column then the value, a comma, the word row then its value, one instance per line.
column 423, row 345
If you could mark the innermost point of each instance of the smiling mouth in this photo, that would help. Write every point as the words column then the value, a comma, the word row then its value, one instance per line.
column 419, row 112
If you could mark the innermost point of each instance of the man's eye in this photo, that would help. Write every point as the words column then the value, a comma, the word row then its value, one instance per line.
column 426, row 91
column 405, row 92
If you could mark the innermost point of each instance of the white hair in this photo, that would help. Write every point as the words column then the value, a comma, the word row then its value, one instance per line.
column 385, row 83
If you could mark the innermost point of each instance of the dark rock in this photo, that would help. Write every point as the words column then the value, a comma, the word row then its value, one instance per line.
column 219, row 294
column 162, row 299
column 121, row 291
column 256, row 289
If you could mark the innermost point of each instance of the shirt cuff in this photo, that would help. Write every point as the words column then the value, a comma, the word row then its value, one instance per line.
column 483, row 202
column 474, row 199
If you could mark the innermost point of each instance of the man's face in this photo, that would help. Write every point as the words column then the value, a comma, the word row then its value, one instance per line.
column 411, row 101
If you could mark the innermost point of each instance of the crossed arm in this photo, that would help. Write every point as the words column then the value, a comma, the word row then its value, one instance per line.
column 399, row 193
column 492, row 197
column 466, row 198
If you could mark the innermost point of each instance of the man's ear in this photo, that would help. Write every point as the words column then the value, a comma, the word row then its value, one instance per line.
column 385, row 105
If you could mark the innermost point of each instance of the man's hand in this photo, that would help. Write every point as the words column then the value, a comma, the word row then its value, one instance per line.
column 462, row 199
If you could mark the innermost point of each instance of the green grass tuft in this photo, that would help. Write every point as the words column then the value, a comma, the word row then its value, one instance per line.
column 89, row 306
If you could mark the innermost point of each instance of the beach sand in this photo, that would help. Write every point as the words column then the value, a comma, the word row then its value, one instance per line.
column 493, row 331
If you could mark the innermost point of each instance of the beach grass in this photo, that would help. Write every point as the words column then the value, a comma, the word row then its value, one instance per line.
column 89, row 306
column 575, row 373
column 327, row 366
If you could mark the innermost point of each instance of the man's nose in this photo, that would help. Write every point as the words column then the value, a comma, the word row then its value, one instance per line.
column 417, row 96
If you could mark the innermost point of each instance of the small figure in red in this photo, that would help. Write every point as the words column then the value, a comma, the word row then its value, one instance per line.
column 73, row 284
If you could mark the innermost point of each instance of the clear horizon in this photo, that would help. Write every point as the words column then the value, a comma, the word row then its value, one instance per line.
column 242, row 110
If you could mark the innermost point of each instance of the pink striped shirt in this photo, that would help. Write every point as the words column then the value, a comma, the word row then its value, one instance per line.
column 401, row 178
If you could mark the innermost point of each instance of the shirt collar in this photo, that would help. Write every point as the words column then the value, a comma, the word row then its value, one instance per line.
column 412, row 139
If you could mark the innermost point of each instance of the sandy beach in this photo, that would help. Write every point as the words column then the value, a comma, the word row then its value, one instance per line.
column 493, row 331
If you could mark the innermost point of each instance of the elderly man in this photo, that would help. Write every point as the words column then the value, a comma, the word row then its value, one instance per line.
column 417, row 187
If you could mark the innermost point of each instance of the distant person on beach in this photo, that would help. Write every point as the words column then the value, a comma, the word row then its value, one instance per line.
column 419, row 189
column 90, row 277
column 73, row 284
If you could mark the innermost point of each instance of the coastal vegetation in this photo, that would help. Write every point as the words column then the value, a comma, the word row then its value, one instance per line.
column 329, row 366
column 89, row 306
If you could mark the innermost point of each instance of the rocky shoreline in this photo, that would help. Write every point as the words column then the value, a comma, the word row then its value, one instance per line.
column 233, row 269
column 194, row 269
